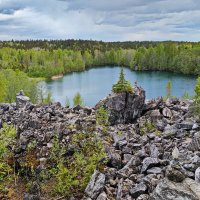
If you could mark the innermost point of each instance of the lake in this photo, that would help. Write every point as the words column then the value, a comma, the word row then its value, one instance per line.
column 96, row 83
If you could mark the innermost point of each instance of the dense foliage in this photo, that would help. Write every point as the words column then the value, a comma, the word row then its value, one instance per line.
column 48, row 58
column 122, row 85
column 73, row 174
column 7, row 136
column 11, row 82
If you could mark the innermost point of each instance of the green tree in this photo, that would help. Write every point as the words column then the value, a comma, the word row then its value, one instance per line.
column 169, row 89
column 78, row 100
column 122, row 85
column 195, row 107
column 11, row 82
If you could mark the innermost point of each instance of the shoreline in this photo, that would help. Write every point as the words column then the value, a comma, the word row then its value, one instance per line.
column 57, row 77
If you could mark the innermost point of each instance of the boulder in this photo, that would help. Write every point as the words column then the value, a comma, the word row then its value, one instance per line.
column 148, row 163
column 154, row 170
column 139, row 189
column 174, row 174
column 195, row 143
column 21, row 100
column 124, row 107
column 187, row 125
column 128, row 169
column 96, row 185
column 167, row 112
column 102, row 196
column 197, row 175
column 168, row 190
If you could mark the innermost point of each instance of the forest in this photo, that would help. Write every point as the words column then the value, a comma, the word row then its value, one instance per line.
column 22, row 60
column 45, row 58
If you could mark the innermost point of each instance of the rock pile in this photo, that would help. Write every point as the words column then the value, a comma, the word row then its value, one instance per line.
column 140, row 164
column 144, row 152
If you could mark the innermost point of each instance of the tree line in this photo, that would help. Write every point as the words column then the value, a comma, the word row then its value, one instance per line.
column 43, row 62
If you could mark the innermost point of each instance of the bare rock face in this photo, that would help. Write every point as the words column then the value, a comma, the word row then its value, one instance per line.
column 96, row 185
column 168, row 190
column 124, row 107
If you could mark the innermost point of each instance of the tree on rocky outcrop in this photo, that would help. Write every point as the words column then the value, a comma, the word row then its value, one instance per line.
column 122, row 85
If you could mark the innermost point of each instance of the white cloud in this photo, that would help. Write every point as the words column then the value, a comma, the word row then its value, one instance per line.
column 101, row 20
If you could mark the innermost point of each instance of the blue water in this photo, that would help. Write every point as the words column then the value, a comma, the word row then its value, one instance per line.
column 96, row 83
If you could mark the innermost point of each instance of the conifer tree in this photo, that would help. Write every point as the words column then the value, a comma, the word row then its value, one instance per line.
column 122, row 85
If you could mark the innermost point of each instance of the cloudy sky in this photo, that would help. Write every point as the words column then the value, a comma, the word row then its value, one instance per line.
column 108, row 20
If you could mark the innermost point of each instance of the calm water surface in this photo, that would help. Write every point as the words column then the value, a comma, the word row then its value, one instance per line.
column 96, row 83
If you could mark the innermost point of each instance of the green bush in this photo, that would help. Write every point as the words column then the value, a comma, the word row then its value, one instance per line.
column 73, row 173
column 122, row 85
column 7, row 135
column 102, row 116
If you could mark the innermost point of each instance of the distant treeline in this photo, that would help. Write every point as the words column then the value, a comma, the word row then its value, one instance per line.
column 44, row 58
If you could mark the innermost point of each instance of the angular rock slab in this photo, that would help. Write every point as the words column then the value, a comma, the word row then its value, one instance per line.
column 124, row 107
column 195, row 144
column 148, row 163
column 168, row 190
column 139, row 189
column 21, row 100
column 96, row 185
column 197, row 175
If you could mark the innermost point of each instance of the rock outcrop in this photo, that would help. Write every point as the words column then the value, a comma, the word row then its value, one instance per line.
column 124, row 107
column 21, row 100
column 140, row 163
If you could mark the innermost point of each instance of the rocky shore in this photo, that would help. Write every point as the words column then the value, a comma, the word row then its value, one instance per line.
column 153, row 147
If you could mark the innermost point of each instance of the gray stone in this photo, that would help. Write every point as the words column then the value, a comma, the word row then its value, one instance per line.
column 175, row 175
column 102, row 196
column 139, row 189
column 169, row 132
column 128, row 169
column 154, row 170
column 96, row 185
column 154, row 153
column 114, row 160
column 21, row 100
column 167, row 112
column 148, row 163
column 143, row 197
column 197, row 175
column 28, row 196
column 124, row 107
column 185, row 125
column 195, row 143
column 168, row 190
column 118, row 137
column 155, row 114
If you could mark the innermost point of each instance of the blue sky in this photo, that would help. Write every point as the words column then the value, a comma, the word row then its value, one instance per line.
column 108, row 20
